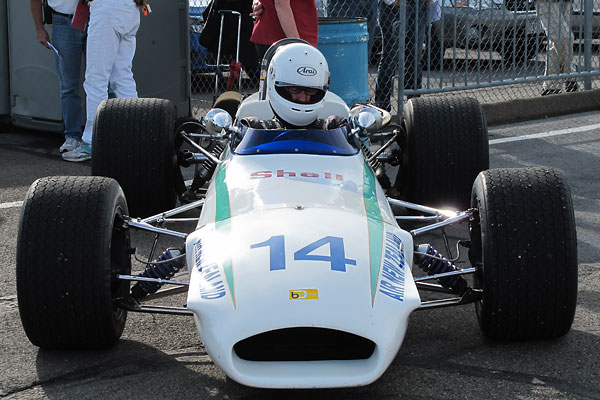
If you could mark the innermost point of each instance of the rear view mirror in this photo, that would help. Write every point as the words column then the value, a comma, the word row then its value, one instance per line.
column 218, row 122
column 367, row 118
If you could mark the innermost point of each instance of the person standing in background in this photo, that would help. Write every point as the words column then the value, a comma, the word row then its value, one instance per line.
column 111, row 42
column 390, row 24
column 279, row 19
column 209, row 37
column 555, row 16
column 69, row 42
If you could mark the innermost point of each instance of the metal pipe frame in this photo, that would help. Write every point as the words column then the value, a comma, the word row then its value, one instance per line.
column 161, row 217
column 382, row 148
column 514, row 81
column 449, row 217
column 465, row 271
column 385, row 134
column 180, row 219
column 197, row 158
column 432, row 287
column 147, row 227
column 469, row 296
column 155, row 280
column 200, row 135
column 156, row 309
column 420, row 218
column 164, row 293
column 440, row 303
column 424, row 209
column 199, row 148
column 448, row 222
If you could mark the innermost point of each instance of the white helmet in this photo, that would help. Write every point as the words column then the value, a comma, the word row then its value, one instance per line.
column 300, row 65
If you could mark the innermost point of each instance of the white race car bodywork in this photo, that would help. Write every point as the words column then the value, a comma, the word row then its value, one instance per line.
column 299, row 275
column 299, row 240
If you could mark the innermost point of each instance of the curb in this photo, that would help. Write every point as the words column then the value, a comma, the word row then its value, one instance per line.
column 519, row 110
column 506, row 112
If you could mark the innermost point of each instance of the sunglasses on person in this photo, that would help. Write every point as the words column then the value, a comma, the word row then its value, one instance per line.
column 295, row 90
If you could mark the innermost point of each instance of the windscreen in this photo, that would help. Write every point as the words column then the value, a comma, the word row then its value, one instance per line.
column 299, row 141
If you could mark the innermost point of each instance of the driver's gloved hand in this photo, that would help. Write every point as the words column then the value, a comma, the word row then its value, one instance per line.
column 333, row 122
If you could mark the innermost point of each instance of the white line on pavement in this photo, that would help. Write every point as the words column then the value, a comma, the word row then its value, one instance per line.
column 11, row 204
column 546, row 134
column 585, row 128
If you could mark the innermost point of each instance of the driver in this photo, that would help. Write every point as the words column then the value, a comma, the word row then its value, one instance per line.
column 297, row 81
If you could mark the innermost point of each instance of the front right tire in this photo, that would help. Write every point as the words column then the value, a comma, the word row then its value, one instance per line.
column 71, row 245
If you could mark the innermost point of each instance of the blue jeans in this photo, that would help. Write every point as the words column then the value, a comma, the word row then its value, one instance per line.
column 70, row 43
column 356, row 8
column 390, row 24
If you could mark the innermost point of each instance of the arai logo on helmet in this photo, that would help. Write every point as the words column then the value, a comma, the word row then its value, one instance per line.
column 305, row 70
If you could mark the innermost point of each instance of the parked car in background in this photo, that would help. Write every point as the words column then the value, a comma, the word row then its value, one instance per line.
column 578, row 19
column 577, row 15
column 484, row 25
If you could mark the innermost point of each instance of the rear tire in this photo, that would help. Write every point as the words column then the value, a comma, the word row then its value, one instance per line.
column 70, row 247
column 229, row 101
column 524, row 239
column 445, row 147
column 133, row 142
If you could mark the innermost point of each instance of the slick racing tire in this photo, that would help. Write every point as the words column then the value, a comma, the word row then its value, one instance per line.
column 133, row 142
column 229, row 101
column 523, row 239
column 70, row 247
column 443, row 150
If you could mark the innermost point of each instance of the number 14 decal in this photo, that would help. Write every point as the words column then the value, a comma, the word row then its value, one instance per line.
column 337, row 256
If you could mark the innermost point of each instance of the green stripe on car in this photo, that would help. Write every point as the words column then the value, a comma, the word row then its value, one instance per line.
column 375, row 226
column 223, row 222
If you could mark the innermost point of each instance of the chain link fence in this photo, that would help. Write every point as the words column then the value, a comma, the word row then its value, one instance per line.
column 221, row 59
column 494, row 50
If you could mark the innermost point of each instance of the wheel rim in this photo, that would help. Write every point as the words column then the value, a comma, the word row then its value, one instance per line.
column 476, row 251
column 120, row 262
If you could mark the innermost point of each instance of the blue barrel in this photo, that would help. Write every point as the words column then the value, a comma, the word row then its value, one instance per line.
column 343, row 42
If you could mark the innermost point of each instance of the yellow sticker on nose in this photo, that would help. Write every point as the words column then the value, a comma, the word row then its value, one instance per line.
column 304, row 294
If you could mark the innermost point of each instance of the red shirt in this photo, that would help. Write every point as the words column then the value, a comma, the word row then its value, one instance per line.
column 267, row 29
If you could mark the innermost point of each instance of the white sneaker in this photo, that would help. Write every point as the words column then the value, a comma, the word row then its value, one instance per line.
column 71, row 143
column 81, row 153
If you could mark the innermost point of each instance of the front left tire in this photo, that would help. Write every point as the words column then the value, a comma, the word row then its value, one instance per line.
column 524, row 241
column 444, row 148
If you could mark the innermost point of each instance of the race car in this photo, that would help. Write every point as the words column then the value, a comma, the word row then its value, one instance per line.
column 312, row 247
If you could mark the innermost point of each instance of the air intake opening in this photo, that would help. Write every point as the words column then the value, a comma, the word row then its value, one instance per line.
column 304, row 344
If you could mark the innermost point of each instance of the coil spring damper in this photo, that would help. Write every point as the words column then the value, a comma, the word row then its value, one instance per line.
column 432, row 262
column 207, row 168
column 164, row 267
column 375, row 164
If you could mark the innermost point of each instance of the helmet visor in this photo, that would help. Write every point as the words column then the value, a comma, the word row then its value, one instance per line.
column 299, row 94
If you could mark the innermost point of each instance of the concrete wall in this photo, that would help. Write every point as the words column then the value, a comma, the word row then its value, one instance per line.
column 4, row 86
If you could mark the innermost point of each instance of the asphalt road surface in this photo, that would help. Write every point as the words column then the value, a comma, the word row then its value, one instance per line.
column 444, row 355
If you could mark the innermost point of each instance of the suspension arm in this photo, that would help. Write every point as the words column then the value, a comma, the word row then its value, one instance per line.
column 130, row 304
column 445, row 274
column 199, row 148
column 145, row 226
column 470, row 296
column 461, row 217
